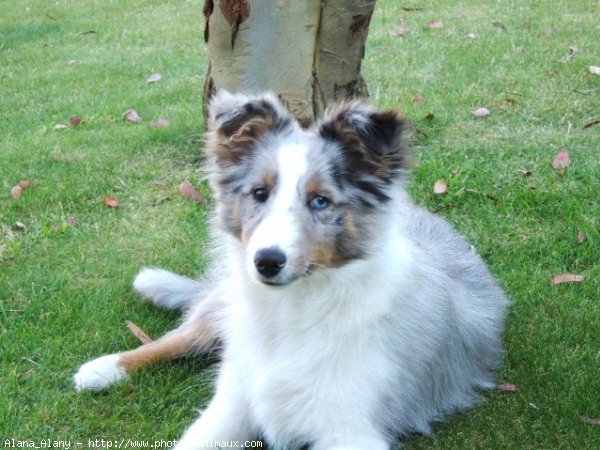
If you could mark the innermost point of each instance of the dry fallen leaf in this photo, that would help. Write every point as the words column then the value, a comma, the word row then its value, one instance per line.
column 417, row 99
column 589, row 420
column 566, row 278
column 481, row 112
column 110, row 202
column 511, row 101
column 435, row 24
column 525, row 172
column 139, row 333
column 440, row 187
column 508, row 387
column 580, row 237
column 154, row 78
column 561, row 160
column 160, row 123
column 132, row 115
column 75, row 120
column 15, row 191
column 160, row 183
column 594, row 70
column 400, row 30
column 188, row 191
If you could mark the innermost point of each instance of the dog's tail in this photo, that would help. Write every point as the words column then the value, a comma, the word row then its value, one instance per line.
column 167, row 289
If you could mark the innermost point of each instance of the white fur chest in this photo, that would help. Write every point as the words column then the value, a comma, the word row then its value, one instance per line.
column 311, row 353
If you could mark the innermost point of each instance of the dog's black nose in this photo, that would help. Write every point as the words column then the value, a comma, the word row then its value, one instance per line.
column 269, row 261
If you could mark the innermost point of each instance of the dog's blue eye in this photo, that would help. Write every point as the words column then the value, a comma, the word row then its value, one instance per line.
column 319, row 203
column 260, row 195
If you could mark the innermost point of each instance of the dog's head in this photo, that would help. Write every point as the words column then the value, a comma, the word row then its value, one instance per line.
column 300, row 200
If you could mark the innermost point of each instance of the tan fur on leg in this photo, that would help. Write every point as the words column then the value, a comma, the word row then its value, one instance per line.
column 193, row 336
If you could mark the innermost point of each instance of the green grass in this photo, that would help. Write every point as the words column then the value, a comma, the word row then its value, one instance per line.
column 65, row 289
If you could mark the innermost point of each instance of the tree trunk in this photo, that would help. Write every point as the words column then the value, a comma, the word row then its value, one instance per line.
column 307, row 51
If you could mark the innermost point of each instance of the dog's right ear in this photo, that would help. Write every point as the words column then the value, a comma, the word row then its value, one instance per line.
column 237, row 122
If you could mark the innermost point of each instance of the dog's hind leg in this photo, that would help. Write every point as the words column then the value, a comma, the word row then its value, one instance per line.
column 198, row 333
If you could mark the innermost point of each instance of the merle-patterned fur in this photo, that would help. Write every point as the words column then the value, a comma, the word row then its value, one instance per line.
column 354, row 150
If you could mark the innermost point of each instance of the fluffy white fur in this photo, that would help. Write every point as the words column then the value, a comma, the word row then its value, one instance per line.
column 302, row 361
column 166, row 289
column 98, row 374
column 348, row 356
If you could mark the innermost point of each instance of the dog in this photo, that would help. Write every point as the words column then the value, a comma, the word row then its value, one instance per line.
column 345, row 316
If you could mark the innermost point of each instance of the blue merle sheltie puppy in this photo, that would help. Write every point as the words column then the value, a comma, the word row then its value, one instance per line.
column 345, row 316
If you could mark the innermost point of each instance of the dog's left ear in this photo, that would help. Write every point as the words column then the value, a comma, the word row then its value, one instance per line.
column 371, row 139
column 237, row 122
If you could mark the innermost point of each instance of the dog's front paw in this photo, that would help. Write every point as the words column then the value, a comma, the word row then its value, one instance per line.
column 99, row 373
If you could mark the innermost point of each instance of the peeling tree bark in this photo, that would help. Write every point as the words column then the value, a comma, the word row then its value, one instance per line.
column 307, row 51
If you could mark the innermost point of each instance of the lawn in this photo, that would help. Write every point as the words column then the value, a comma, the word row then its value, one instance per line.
column 67, row 259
